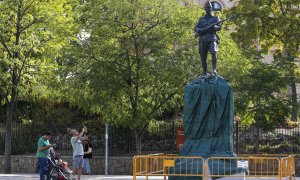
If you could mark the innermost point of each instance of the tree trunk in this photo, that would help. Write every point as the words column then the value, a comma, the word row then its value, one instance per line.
column 256, row 146
column 136, row 96
column 138, row 143
column 257, row 140
column 16, row 73
column 8, row 137
column 294, row 113
column 237, row 136
column 9, row 120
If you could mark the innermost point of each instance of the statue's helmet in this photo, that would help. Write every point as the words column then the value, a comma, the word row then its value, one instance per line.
column 208, row 5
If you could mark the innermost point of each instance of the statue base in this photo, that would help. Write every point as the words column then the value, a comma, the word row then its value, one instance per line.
column 208, row 122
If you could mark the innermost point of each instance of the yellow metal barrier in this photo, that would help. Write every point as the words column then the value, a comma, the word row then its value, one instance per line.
column 255, row 166
column 288, row 167
column 167, row 166
column 252, row 166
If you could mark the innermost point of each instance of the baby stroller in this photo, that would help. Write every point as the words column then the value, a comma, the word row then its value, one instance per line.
column 59, row 170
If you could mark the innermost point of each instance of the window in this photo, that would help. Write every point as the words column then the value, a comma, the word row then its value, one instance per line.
column 216, row 6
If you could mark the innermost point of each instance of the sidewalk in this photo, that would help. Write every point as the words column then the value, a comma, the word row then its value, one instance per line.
column 84, row 177
column 102, row 177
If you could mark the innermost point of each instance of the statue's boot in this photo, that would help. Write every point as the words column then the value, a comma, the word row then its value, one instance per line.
column 214, row 66
column 214, row 72
column 204, row 67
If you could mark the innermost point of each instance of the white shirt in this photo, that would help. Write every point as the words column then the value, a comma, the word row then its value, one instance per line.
column 77, row 146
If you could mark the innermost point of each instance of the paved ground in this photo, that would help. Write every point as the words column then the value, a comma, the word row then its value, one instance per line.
column 84, row 177
column 101, row 177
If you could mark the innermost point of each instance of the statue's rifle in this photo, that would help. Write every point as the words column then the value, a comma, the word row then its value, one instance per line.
column 213, row 24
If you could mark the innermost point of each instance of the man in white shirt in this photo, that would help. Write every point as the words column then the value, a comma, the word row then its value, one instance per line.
column 78, row 152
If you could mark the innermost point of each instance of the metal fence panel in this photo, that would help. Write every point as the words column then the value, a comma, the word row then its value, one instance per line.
column 121, row 140
column 282, row 140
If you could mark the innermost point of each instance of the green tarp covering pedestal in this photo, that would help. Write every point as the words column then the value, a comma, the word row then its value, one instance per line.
column 208, row 121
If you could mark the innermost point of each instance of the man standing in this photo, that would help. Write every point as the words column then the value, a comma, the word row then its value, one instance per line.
column 78, row 152
column 206, row 28
column 41, row 154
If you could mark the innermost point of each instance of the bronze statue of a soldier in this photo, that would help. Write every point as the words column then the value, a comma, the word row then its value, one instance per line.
column 206, row 28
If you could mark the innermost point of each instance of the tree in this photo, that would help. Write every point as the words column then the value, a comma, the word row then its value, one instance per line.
column 32, row 33
column 266, row 106
column 126, row 69
column 263, row 25
column 135, row 59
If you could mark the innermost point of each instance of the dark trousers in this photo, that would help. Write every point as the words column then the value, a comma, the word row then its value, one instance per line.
column 44, row 168
column 204, row 48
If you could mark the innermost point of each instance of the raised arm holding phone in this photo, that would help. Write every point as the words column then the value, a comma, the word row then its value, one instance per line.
column 76, row 141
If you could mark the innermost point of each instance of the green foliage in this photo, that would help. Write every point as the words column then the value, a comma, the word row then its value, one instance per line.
column 159, row 128
column 32, row 34
column 51, row 114
column 232, row 63
column 132, row 67
column 264, row 27
column 136, row 56
column 260, row 97
column 271, row 23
